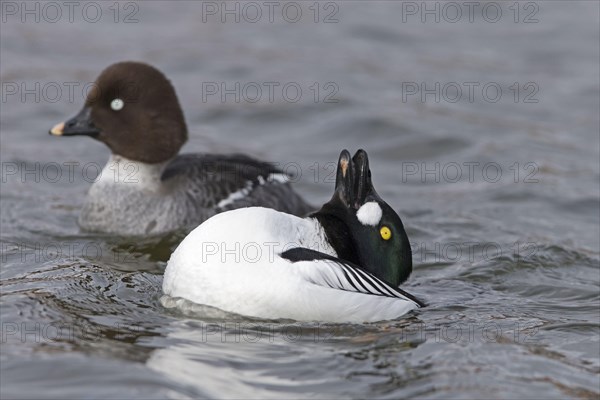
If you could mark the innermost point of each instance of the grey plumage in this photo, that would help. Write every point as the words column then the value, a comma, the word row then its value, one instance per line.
column 184, row 192
column 210, row 179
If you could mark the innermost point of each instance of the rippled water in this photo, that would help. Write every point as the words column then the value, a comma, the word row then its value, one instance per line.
column 508, row 263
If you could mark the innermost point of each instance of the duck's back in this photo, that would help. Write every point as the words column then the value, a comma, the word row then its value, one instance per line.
column 227, row 182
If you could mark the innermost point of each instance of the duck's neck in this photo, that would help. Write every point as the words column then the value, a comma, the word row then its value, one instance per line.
column 134, row 175
column 338, row 236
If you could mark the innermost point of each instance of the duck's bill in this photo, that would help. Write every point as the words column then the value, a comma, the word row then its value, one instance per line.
column 344, row 181
column 353, row 185
column 363, row 185
column 81, row 124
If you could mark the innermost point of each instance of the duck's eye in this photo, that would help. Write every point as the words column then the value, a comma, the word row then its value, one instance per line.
column 117, row 104
column 385, row 233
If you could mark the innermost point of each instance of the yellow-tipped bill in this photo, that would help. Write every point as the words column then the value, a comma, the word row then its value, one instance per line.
column 57, row 130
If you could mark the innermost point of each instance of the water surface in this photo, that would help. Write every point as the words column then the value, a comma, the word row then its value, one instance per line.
column 500, row 200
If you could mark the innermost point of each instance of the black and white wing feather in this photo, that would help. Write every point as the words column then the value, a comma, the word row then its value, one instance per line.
column 338, row 274
column 224, row 182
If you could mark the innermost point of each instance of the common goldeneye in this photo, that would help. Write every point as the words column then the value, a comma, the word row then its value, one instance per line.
column 342, row 263
column 146, row 188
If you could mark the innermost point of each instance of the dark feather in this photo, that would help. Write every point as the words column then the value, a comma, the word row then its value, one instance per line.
column 349, row 275
column 210, row 179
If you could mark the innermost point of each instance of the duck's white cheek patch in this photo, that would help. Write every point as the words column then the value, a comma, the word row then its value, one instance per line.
column 369, row 214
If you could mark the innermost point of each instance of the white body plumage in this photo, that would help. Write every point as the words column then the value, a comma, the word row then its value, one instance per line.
column 233, row 262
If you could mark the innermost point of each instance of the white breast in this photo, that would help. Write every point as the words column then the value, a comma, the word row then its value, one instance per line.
column 130, row 174
column 129, row 198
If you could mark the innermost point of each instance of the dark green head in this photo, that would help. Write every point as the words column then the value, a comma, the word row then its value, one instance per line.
column 361, row 227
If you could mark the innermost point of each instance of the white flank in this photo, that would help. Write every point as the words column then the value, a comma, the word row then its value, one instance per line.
column 369, row 214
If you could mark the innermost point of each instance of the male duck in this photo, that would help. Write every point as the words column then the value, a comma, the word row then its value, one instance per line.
column 342, row 263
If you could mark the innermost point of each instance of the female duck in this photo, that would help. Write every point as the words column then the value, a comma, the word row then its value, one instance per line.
column 147, row 188
column 342, row 263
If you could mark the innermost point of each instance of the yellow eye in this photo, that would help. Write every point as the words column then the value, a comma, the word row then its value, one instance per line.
column 385, row 233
